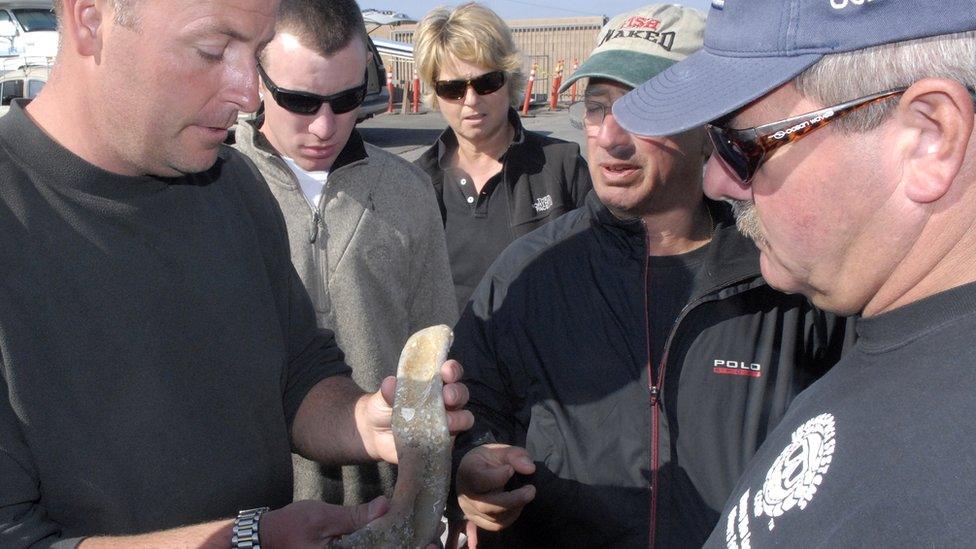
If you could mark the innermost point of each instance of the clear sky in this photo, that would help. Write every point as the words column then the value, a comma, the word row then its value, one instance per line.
column 526, row 9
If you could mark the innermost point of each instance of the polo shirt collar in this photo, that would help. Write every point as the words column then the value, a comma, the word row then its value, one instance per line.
column 447, row 141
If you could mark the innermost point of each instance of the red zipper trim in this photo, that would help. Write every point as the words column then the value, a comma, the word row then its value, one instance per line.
column 655, row 442
column 654, row 391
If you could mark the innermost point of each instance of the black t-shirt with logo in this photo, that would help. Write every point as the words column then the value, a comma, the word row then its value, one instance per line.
column 879, row 452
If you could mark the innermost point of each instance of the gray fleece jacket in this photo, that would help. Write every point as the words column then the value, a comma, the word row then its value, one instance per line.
column 374, row 262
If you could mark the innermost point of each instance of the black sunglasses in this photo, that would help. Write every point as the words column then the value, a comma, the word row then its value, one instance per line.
column 300, row 102
column 483, row 85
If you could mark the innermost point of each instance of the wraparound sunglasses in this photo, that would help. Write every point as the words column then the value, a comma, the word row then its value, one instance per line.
column 745, row 150
column 489, row 82
column 300, row 102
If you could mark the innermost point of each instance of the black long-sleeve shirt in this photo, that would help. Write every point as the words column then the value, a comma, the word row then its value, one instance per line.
column 155, row 345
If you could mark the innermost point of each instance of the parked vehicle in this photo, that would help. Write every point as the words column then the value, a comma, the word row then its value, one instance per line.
column 19, row 78
column 28, row 45
column 377, row 95
column 28, row 28
column 375, row 19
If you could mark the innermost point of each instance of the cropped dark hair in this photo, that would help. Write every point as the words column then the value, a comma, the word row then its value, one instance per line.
column 325, row 26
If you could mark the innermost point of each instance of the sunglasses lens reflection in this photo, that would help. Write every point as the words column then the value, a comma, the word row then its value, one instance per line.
column 347, row 101
column 450, row 89
column 303, row 104
column 730, row 154
column 488, row 83
column 295, row 103
column 482, row 85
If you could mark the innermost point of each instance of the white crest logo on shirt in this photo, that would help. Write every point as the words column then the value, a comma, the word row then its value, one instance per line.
column 542, row 204
column 794, row 477
column 841, row 4
column 737, row 534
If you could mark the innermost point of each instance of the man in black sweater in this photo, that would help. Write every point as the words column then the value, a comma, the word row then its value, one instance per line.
column 159, row 356
column 844, row 131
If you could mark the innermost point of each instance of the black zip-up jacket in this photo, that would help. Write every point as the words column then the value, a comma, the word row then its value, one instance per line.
column 628, row 453
column 535, row 167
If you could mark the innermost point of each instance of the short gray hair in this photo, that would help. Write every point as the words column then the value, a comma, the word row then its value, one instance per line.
column 124, row 14
column 841, row 77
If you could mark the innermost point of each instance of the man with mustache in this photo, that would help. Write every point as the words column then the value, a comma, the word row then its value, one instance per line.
column 159, row 357
column 627, row 360
column 845, row 129
column 365, row 232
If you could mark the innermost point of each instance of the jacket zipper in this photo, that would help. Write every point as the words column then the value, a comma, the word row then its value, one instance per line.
column 316, row 217
column 297, row 187
column 655, row 388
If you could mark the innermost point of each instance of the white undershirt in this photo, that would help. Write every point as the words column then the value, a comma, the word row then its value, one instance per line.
column 312, row 183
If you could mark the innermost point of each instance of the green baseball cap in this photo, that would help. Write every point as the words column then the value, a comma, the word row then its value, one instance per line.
column 634, row 46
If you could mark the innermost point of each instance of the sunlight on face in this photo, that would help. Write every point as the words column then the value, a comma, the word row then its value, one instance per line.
column 475, row 118
column 315, row 140
column 171, row 87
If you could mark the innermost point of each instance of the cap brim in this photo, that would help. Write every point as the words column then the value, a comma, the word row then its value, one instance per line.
column 703, row 88
column 627, row 67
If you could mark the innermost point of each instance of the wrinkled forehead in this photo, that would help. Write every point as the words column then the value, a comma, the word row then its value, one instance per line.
column 245, row 19
column 605, row 88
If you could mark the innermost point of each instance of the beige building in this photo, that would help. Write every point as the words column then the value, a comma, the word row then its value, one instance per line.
column 543, row 43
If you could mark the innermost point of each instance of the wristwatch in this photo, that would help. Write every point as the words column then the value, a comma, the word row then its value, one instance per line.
column 246, row 529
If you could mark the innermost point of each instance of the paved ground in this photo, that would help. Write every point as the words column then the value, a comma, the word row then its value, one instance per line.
column 409, row 135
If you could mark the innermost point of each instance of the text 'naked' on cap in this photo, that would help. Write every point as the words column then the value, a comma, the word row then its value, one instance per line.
column 634, row 46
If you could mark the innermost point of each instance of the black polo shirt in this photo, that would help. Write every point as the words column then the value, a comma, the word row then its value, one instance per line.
column 476, row 224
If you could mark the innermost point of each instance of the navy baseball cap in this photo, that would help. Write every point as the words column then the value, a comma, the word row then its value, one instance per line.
column 754, row 46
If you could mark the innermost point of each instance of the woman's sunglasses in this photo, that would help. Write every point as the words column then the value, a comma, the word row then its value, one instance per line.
column 300, row 102
column 482, row 85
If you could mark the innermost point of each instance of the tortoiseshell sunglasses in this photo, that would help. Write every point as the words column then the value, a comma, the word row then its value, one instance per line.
column 745, row 150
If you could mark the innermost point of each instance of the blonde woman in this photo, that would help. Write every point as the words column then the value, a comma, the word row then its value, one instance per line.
column 494, row 180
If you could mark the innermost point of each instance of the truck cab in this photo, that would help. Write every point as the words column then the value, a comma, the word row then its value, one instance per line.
column 28, row 28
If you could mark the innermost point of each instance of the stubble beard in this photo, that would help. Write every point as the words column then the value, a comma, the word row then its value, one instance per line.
column 747, row 221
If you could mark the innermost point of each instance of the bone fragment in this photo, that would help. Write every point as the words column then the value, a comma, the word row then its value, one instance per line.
column 423, row 446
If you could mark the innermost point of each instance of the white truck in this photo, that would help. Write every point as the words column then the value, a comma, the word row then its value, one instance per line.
column 28, row 45
column 28, row 28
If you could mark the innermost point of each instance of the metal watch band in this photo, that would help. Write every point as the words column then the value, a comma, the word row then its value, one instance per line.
column 246, row 529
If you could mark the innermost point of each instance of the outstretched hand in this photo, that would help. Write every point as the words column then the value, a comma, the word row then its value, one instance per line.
column 374, row 412
column 481, row 480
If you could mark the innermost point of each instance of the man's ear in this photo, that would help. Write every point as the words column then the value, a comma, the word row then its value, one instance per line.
column 935, row 118
column 81, row 21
